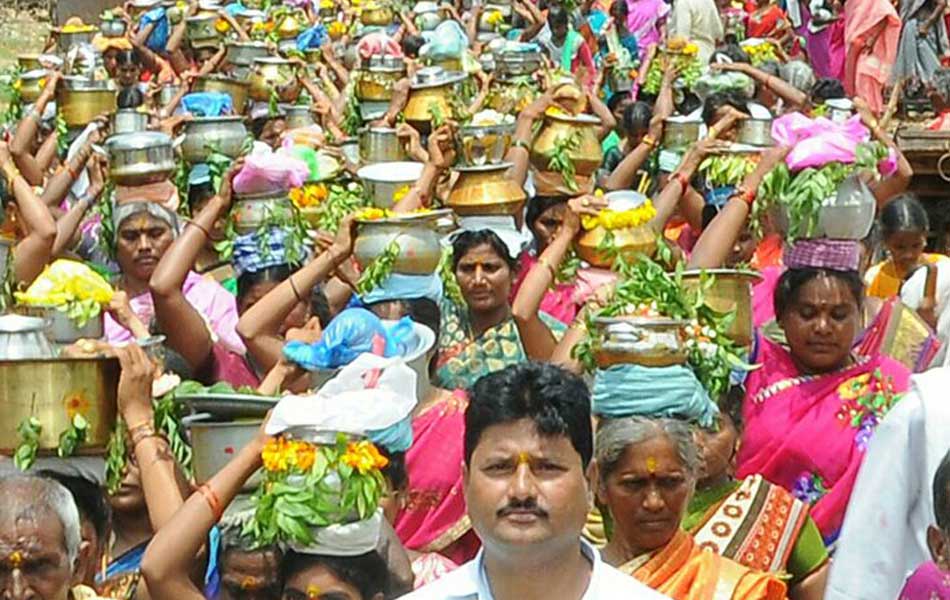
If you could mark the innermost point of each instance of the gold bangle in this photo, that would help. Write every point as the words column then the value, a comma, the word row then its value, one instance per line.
column 649, row 140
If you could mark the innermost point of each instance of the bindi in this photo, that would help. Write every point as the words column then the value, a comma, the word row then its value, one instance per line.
column 313, row 592
column 651, row 465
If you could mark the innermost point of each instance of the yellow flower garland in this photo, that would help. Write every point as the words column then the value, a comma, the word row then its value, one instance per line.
column 612, row 219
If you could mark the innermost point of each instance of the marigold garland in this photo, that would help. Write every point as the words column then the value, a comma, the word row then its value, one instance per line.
column 612, row 219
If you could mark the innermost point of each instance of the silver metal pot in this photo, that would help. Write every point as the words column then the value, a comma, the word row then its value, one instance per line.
column 66, row 41
column 64, row 330
column 225, row 135
column 755, row 132
column 639, row 341
column 514, row 64
column 24, row 338
column 129, row 121
column 380, row 144
column 351, row 150
column 215, row 444
column 680, row 133
column 485, row 144
column 417, row 236
column 383, row 180
column 244, row 53
column 201, row 28
column 168, row 91
column 299, row 117
column 140, row 158
column 251, row 211
column 114, row 28
column 6, row 246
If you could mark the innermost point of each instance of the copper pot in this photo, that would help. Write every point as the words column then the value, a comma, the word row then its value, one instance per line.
column 376, row 14
column 430, row 96
column 376, row 83
column 630, row 242
column 586, row 153
column 79, row 101
column 32, row 84
column 51, row 390
column 731, row 291
column 237, row 89
column 278, row 74
column 486, row 190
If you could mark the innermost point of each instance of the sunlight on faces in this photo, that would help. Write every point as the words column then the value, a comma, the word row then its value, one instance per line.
column 484, row 278
column 526, row 492
column 821, row 324
column 647, row 493
column 141, row 241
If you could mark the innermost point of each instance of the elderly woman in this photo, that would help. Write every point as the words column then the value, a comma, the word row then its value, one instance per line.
column 482, row 336
column 645, row 473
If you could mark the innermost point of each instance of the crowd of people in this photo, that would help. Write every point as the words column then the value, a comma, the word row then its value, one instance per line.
column 655, row 316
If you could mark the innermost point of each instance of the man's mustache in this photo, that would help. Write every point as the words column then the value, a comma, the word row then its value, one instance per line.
column 524, row 506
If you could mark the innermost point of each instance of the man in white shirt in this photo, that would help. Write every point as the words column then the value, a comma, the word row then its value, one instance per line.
column 884, row 535
column 699, row 22
column 528, row 442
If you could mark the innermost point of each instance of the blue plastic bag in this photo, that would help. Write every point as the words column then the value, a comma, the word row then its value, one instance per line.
column 312, row 38
column 208, row 104
column 158, row 40
column 353, row 332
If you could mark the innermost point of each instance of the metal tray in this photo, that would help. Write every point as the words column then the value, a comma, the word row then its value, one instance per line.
column 228, row 406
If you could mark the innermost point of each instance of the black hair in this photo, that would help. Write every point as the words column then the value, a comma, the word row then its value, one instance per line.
column 904, row 213
column 128, row 57
column 199, row 193
column 129, row 97
column 636, row 117
column 319, row 304
column 538, row 205
column 472, row 239
column 792, row 280
column 425, row 311
column 689, row 103
column 557, row 401
column 412, row 44
column 367, row 572
column 89, row 498
column 616, row 99
column 733, row 52
column 718, row 100
column 558, row 16
column 942, row 493
column 395, row 470
column 731, row 405
column 825, row 89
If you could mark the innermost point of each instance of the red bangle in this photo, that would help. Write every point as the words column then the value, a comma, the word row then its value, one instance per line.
column 69, row 169
column 214, row 503
column 747, row 196
column 684, row 182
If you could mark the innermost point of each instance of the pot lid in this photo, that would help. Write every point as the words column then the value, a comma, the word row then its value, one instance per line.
column 391, row 172
column 386, row 63
column 429, row 77
column 141, row 140
column 623, row 200
column 426, row 6
column 840, row 103
column 144, row 3
column 201, row 18
column 409, row 218
column 20, row 324
column 34, row 74
column 581, row 119
column 78, row 82
column 272, row 60
column 752, row 276
column 638, row 322
column 379, row 130
column 261, row 45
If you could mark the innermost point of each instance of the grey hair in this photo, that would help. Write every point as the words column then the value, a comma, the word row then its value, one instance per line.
column 799, row 74
column 43, row 493
column 614, row 436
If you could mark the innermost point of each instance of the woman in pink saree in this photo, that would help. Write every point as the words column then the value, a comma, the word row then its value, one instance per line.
column 645, row 20
column 433, row 517
column 811, row 409
column 872, row 31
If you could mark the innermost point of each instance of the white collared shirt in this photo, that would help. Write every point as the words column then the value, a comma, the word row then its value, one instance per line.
column 470, row 582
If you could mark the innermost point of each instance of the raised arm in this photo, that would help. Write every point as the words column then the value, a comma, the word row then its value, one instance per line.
column 152, row 454
column 33, row 252
column 441, row 158
column 792, row 96
column 519, row 154
column 891, row 186
column 67, row 225
column 713, row 247
column 260, row 325
column 183, row 326
column 21, row 146
column 170, row 555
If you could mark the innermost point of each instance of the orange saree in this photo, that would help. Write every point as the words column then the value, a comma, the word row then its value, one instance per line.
column 684, row 571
